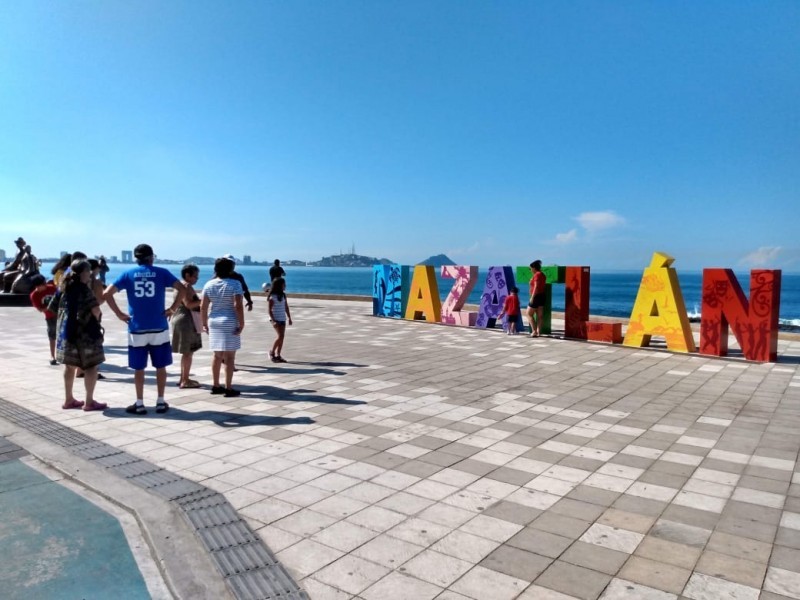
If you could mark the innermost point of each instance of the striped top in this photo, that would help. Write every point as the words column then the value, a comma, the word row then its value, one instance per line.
column 221, row 293
column 278, row 308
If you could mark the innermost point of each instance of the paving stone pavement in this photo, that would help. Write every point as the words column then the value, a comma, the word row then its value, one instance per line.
column 391, row 459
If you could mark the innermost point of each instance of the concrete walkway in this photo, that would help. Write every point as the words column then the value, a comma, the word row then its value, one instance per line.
column 392, row 459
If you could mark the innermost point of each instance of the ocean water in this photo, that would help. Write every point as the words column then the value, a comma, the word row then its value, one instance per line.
column 612, row 294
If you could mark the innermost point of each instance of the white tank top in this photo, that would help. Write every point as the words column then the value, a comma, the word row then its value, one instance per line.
column 278, row 308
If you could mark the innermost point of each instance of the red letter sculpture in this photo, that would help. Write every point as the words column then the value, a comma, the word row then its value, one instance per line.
column 755, row 324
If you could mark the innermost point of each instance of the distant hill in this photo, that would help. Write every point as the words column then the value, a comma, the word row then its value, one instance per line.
column 350, row 260
column 438, row 261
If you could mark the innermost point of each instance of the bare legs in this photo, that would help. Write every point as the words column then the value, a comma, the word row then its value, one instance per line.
column 535, row 316
column 161, row 382
column 229, row 358
column 186, row 367
column 69, row 382
column 138, row 382
column 280, row 330
column 216, row 363
column 89, row 382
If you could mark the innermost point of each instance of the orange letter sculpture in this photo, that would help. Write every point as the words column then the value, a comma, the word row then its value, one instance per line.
column 755, row 324
column 659, row 308
column 424, row 302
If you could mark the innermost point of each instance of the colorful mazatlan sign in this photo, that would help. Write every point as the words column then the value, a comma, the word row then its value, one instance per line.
column 659, row 309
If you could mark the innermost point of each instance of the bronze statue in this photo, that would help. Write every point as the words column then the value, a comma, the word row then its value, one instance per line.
column 16, row 277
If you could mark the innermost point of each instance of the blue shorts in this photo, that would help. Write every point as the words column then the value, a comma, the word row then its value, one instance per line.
column 154, row 345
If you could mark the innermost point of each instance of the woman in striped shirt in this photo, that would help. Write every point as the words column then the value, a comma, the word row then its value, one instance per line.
column 223, row 318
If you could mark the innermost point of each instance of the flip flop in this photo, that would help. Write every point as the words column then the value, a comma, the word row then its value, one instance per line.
column 72, row 404
column 189, row 384
column 95, row 406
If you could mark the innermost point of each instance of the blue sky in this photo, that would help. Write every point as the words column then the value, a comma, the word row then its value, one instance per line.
column 496, row 132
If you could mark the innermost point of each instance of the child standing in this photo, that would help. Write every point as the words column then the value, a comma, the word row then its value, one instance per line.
column 511, row 310
column 43, row 292
column 278, row 315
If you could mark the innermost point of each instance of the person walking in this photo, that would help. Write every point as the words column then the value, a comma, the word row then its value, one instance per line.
column 80, row 336
column 276, row 270
column 535, row 309
column 104, row 269
column 222, row 313
column 186, row 338
column 278, row 315
column 42, row 294
column 148, row 330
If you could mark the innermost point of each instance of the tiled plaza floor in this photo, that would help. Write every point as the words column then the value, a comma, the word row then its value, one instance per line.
column 392, row 459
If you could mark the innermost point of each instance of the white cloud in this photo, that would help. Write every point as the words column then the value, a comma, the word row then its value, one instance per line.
column 568, row 237
column 762, row 257
column 598, row 220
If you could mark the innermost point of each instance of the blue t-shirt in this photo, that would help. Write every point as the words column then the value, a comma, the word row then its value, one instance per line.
column 146, row 288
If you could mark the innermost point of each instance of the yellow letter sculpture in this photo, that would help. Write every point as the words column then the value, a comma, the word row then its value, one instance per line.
column 659, row 308
column 423, row 297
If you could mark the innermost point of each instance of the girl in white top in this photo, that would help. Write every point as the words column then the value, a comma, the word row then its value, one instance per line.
column 278, row 315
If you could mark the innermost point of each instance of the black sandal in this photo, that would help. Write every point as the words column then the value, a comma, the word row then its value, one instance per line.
column 136, row 409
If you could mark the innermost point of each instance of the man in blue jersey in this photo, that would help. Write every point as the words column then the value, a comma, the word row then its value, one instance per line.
column 148, row 330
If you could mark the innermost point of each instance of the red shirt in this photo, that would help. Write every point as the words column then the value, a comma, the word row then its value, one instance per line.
column 511, row 304
column 40, row 298
column 538, row 282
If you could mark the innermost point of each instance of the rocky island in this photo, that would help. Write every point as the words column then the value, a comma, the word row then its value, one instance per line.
column 349, row 260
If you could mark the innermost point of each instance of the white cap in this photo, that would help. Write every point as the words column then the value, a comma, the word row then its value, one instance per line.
column 229, row 257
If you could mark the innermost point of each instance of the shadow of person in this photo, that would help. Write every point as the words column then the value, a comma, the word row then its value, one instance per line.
column 268, row 392
column 328, row 364
column 217, row 417
column 288, row 370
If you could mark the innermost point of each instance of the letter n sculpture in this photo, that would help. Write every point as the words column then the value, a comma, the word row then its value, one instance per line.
column 754, row 323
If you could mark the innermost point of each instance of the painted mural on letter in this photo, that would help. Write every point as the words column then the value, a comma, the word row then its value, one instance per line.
column 465, row 279
column 754, row 323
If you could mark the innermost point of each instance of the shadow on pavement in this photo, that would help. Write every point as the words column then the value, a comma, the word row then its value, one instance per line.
column 269, row 392
column 327, row 364
column 288, row 370
column 115, row 349
column 223, row 419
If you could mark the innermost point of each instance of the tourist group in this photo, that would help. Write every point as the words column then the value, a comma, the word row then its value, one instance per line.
column 71, row 302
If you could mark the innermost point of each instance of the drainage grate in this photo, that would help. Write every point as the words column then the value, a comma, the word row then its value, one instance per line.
column 249, row 567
